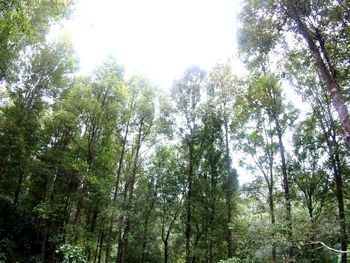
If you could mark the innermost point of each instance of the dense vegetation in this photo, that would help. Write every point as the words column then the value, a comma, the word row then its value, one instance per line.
column 104, row 168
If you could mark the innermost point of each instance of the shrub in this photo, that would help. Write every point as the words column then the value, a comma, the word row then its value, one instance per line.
column 71, row 254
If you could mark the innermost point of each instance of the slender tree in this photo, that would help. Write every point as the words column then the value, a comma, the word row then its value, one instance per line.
column 187, row 94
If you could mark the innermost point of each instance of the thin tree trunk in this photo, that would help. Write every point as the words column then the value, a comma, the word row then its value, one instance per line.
column 286, row 190
column 117, row 182
column 44, row 241
column 341, row 209
column 195, row 247
column 165, row 238
column 92, row 230
column 80, row 205
column 271, row 202
column 101, row 245
column 18, row 188
column 165, row 243
column 273, row 221
column 97, row 245
column 123, row 249
column 337, row 172
column 229, row 194
column 145, row 233
column 188, row 203
column 337, row 169
column 121, row 225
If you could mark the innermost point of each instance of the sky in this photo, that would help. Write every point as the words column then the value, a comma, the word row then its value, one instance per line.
column 156, row 38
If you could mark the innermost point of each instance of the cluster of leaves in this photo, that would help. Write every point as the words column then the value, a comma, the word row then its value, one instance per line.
column 71, row 254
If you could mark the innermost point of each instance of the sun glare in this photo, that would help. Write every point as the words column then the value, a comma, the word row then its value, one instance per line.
column 156, row 38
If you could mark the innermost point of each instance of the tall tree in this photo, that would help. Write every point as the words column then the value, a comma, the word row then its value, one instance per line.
column 143, row 120
column 324, row 25
column 24, row 23
column 312, row 90
column 260, row 143
column 186, row 94
column 264, row 95
column 221, row 92
column 41, row 74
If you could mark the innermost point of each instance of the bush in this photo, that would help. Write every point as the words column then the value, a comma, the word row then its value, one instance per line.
column 231, row 260
column 71, row 254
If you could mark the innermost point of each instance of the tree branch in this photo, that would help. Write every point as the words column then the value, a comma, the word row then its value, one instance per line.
column 327, row 247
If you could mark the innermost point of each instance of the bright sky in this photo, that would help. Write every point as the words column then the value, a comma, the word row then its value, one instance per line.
column 159, row 39
column 156, row 38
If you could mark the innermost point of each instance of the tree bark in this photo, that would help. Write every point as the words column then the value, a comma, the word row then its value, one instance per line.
column 165, row 243
column 325, row 72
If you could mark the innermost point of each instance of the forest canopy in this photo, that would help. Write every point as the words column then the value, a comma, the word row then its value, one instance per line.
column 109, row 167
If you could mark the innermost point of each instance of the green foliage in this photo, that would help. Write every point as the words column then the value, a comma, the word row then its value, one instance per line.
column 230, row 260
column 17, row 230
column 104, row 168
column 24, row 23
column 71, row 254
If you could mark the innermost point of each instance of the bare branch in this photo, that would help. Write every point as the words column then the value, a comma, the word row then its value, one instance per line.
column 327, row 247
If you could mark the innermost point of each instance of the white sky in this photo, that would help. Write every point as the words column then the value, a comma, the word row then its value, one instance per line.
column 156, row 38
column 159, row 39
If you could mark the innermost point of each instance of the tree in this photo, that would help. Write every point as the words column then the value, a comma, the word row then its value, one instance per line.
column 42, row 73
column 24, row 23
column 312, row 25
column 221, row 92
column 259, row 142
column 142, row 124
column 171, row 189
column 186, row 94
column 212, row 188
column 324, row 27
column 264, row 96
column 312, row 91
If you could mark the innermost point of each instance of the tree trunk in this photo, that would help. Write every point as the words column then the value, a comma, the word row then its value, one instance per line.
column 337, row 170
column 44, row 241
column 286, row 189
column 145, row 233
column 18, row 188
column 273, row 221
column 121, row 228
column 341, row 209
column 188, row 203
column 165, row 243
column 123, row 247
column 229, row 193
column 117, row 182
column 325, row 73
column 101, row 245
column 165, row 238
column 80, row 205
column 195, row 245
column 271, row 204
column 333, row 150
